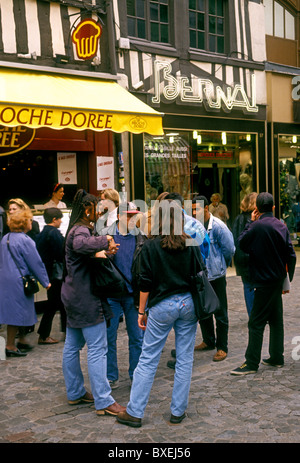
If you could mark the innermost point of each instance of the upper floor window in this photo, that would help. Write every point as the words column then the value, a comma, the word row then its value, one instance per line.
column 278, row 20
column 207, row 25
column 148, row 19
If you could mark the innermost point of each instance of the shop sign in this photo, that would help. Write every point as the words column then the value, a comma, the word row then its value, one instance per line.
column 86, row 38
column 105, row 172
column 211, row 155
column 14, row 139
column 205, row 92
column 66, row 168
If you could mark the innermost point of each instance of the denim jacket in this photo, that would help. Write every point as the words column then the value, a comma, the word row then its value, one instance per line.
column 221, row 248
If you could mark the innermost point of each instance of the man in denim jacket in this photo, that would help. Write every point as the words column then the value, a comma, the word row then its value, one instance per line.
column 220, row 256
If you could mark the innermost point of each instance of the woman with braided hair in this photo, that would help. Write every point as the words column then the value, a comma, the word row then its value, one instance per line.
column 86, row 313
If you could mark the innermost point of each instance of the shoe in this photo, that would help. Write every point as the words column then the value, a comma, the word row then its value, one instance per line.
column 14, row 353
column 171, row 364
column 87, row 398
column 114, row 384
column 219, row 356
column 48, row 340
column 243, row 370
column 112, row 410
column 125, row 418
column 203, row 346
column 177, row 419
column 22, row 346
column 271, row 364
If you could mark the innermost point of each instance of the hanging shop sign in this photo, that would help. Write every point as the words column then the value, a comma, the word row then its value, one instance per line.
column 203, row 91
column 66, row 168
column 105, row 172
column 14, row 139
column 86, row 38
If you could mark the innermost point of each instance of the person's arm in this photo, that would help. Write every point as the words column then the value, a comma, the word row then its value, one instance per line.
column 142, row 316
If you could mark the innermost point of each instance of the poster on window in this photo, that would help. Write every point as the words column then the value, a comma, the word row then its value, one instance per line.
column 66, row 168
column 105, row 172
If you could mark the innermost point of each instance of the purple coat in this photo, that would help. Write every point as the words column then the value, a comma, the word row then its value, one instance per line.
column 82, row 307
column 16, row 308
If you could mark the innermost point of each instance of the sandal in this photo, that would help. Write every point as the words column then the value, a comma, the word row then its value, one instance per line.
column 47, row 341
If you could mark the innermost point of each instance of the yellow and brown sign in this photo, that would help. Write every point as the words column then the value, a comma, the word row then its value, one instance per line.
column 86, row 38
column 14, row 139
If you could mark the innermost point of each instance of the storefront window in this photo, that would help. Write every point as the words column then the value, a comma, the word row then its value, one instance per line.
column 201, row 163
column 289, row 165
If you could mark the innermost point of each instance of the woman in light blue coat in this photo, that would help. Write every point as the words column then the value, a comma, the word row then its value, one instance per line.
column 16, row 309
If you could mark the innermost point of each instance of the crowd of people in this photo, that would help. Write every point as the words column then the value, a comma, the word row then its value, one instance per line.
column 156, row 255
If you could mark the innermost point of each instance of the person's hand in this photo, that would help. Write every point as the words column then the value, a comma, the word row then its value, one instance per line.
column 49, row 286
column 286, row 292
column 255, row 215
column 101, row 254
column 142, row 320
column 112, row 246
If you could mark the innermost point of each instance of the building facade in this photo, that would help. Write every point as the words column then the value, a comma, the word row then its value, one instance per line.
column 202, row 64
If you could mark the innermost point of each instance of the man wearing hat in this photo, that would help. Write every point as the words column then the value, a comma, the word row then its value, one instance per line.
column 130, row 239
column 271, row 255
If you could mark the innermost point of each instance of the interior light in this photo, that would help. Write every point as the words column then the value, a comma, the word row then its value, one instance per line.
column 171, row 139
column 224, row 138
column 294, row 139
column 248, row 137
column 199, row 140
column 195, row 134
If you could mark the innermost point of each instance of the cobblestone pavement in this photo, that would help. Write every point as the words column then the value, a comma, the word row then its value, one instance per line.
column 260, row 408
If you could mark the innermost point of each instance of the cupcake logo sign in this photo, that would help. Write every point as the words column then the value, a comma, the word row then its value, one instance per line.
column 86, row 38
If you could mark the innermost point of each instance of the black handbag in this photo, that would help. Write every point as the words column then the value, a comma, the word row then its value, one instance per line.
column 30, row 283
column 206, row 302
column 57, row 271
column 106, row 279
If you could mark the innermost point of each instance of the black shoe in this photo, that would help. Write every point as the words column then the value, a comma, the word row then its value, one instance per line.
column 22, row 346
column 14, row 353
column 173, row 353
column 171, row 364
column 243, row 370
column 271, row 364
column 177, row 419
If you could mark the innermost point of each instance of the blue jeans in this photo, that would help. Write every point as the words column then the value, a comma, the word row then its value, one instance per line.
column 248, row 294
column 135, row 335
column 173, row 312
column 95, row 339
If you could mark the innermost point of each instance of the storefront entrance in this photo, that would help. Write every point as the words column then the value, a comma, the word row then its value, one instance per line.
column 202, row 163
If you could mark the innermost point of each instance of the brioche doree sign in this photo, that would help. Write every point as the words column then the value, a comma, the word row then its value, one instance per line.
column 14, row 139
column 86, row 38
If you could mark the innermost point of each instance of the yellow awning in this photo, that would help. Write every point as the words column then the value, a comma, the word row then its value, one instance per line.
column 37, row 99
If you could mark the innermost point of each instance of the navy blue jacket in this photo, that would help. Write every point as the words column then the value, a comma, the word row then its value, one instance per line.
column 268, row 243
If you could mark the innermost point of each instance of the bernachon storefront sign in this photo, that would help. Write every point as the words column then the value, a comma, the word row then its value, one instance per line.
column 14, row 139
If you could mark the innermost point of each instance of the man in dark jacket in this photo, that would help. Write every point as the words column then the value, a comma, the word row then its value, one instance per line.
column 50, row 243
column 130, row 240
column 271, row 255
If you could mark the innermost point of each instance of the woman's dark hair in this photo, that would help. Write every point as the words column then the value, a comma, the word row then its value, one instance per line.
column 81, row 201
column 169, row 223
column 56, row 187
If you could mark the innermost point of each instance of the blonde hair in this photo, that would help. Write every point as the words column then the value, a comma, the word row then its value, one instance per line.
column 19, row 202
column 18, row 222
column 112, row 195
column 249, row 202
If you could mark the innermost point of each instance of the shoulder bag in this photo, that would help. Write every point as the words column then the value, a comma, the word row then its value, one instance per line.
column 206, row 302
column 106, row 279
column 30, row 283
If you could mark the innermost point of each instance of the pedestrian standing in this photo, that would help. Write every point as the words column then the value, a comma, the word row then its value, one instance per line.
column 241, row 258
column 271, row 254
column 50, row 245
column 220, row 257
column 166, row 268
column 86, row 313
column 130, row 240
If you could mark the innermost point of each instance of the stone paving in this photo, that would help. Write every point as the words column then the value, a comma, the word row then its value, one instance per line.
column 260, row 408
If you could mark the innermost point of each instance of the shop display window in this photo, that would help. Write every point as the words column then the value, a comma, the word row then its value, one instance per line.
column 201, row 162
column 289, row 182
